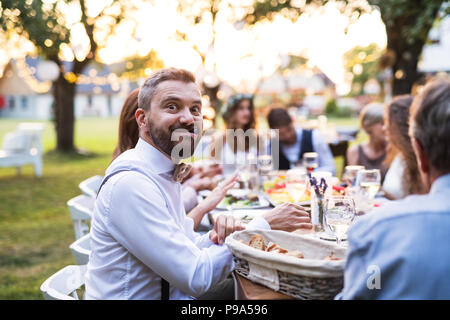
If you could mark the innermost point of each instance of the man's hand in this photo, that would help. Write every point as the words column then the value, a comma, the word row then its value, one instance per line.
column 288, row 217
column 223, row 227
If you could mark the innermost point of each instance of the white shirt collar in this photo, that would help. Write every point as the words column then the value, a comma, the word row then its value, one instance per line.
column 156, row 160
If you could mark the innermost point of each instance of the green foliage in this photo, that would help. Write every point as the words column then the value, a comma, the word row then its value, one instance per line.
column 136, row 66
column 362, row 62
column 331, row 107
column 333, row 110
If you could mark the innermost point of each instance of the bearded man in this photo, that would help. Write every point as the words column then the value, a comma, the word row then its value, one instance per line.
column 143, row 246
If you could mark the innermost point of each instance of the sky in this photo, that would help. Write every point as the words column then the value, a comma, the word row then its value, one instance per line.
column 241, row 56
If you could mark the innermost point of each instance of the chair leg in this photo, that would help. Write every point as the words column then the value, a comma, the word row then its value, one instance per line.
column 38, row 168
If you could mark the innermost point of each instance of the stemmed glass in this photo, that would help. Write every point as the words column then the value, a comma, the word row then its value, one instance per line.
column 350, row 174
column 369, row 182
column 310, row 161
column 339, row 214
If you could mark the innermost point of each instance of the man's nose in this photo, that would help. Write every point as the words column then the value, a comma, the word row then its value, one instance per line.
column 186, row 116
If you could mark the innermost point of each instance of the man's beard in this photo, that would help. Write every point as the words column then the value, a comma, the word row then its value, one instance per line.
column 163, row 140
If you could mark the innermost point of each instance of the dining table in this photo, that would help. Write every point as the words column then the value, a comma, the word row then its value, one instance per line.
column 246, row 289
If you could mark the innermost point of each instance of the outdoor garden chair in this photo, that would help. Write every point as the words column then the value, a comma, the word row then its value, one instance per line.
column 91, row 185
column 81, row 249
column 23, row 146
column 81, row 208
column 63, row 285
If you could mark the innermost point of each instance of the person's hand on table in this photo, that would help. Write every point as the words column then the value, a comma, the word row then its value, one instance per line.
column 223, row 227
column 288, row 217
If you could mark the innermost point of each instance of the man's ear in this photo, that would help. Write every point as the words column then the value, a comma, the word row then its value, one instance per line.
column 140, row 118
column 422, row 158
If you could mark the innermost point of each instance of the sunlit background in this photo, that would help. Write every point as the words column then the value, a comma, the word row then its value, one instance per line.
column 241, row 55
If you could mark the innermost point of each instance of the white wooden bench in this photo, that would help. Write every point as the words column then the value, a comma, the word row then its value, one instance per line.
column 22, row 147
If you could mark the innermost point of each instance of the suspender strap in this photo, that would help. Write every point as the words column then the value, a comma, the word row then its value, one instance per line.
column 306, row 145
column 164, row 290
column 165, row 287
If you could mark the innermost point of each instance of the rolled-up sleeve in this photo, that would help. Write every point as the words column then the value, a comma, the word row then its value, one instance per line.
column 140, row 221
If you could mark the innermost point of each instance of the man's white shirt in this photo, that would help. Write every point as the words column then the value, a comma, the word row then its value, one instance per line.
column 140, row 233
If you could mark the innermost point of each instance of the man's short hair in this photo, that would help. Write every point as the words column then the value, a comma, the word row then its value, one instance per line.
column 430, row 122
column 147, row 90
column 278, row 117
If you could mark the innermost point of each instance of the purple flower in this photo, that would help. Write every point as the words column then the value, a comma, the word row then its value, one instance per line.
column 318, row 188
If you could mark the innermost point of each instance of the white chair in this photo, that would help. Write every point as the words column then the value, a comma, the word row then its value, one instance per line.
column 81, row 249
column 22, row 147
column 81, row 208
column 91, row 185
column 63, row 285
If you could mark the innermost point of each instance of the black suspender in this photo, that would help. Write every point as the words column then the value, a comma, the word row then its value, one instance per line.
column 165, row 287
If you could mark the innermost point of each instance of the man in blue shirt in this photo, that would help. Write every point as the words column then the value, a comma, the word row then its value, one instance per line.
column 295, row 142
column 402, row 249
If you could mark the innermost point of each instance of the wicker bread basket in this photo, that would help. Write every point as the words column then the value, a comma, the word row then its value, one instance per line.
column 310, row 278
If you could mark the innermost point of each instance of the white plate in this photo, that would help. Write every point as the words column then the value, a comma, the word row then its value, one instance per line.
column 244, row 214
column 263, row 202
column 302, row 203
column 329, row 237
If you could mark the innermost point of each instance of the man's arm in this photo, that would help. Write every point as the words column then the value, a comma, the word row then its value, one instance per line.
column 139, row 219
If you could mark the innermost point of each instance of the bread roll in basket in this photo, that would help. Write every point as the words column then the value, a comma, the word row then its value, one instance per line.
column 315, row 276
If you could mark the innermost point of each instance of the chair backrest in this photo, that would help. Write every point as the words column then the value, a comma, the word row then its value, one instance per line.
column 81, row 249
column 16, row 142
column 81, row 208
column 64, row 283
column 91, row 185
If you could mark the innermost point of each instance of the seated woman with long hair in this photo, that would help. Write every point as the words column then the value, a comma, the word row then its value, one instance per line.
column 403, row 177
column 200, row 180
column 232, row 147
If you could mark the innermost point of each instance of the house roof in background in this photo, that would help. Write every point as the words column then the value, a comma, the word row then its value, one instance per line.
column 95, row 79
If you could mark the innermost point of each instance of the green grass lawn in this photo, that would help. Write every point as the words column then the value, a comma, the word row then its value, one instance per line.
column 35, row 225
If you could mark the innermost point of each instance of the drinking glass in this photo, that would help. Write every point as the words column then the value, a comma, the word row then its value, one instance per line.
column 296, row 190
column 310, row 161
column 350, row 174
column 339, row 214
column 265, row 164
column 369, row 182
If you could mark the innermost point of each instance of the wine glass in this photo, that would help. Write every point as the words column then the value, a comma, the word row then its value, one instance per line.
column 339, row 213
column 350, row 174
column 310, row 161
column 369, row 182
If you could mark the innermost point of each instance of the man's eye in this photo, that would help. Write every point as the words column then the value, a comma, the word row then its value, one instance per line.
column 172, row 107
column 196, row 109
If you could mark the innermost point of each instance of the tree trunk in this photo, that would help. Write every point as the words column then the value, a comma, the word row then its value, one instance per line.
column 404, row 69
column 64, row 96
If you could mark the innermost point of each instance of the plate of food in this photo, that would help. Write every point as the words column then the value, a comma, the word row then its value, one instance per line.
column 280, row 191
column 242, row 199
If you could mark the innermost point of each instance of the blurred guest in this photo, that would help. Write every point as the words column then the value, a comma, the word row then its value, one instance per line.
column 295, row 141
column 129, row 136
column 240, row 123
column 403, row 177
column 401, row 250
column 371, row 154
